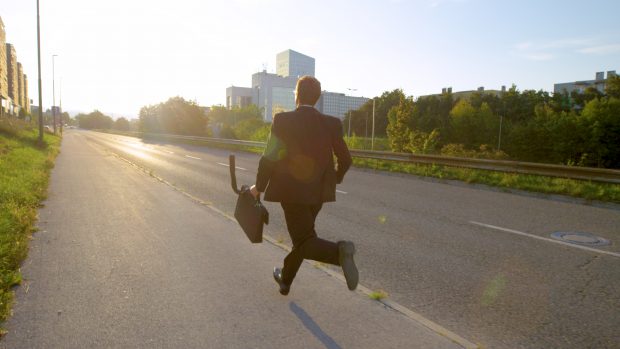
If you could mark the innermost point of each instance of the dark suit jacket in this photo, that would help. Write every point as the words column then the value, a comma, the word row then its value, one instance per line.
column 298, row 163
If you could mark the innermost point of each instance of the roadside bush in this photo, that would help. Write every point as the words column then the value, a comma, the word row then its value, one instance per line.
column 484, row 152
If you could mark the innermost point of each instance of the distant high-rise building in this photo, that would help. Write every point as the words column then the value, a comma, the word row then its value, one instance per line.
column 4, row 83
column 11, row 59
column 294, row 64
column 275, row 93
column 21, row 98
column 338, row 104
column 238, row 97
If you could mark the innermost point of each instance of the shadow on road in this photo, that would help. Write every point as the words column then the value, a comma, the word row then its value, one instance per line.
column 313, row 327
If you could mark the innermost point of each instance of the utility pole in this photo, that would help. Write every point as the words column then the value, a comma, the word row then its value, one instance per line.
column 40, row 88
column 501, row 119
column 350, row 113
column 372, row 141
column 60, row 104
column 499, row 137
column 350, row 117
column 54, row 93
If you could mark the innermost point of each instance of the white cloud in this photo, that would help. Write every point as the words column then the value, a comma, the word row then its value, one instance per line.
column 548, row 50
column 600, row 49
column 437, row 3
column 542, row 56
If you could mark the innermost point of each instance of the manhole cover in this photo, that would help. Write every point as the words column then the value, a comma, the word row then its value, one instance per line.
column 580, row 238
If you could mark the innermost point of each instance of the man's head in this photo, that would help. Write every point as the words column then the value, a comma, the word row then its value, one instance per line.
column 308, row 90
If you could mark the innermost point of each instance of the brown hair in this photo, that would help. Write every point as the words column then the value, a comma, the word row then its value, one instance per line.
column 308, row 90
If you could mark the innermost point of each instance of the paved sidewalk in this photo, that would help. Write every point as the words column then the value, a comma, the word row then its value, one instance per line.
column 124, row 261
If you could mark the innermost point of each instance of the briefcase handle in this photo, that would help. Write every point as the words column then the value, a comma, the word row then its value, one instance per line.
column 233, row 176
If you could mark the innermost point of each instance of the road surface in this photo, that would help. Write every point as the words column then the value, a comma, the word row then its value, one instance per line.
column 467, row 257
column 123, row 260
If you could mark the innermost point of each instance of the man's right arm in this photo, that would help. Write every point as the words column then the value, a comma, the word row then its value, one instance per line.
column 343, row 157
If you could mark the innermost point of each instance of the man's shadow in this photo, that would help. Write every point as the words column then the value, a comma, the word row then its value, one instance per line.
column 313, row 327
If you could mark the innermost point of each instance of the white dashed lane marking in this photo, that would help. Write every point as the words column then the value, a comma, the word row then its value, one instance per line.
column 586, row 248
column 227, row 165
column 192, row 157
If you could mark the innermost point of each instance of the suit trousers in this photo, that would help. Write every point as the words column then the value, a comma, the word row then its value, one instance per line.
column 306, row 244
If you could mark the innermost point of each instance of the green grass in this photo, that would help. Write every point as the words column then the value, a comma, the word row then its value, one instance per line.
column 534, row 183
column 542, row 184
column 25, row 165
column 378, row 295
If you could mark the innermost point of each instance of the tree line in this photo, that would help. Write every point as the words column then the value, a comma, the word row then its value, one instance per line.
column 577, row 129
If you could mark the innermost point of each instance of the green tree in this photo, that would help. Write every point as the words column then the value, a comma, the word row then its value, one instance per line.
column 121, row 124
column 422, row 142
column 398, row 129
column 602, row 118
column 612, row 86
column 94, row 120
column 175, row 116
column 383, row 104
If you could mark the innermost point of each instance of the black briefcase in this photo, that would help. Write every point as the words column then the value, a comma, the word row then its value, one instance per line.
column 249, row 212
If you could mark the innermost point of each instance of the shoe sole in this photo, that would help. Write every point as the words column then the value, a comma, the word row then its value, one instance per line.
column 348, row 265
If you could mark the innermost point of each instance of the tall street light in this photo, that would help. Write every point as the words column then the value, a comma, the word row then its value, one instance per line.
column 372, row 140
column 54, row 93
column 40, row 88
column 350, row 113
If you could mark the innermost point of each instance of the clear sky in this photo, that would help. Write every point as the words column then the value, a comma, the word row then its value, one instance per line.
column 117, row 56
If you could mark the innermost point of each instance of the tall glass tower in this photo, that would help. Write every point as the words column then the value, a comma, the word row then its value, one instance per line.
column 294, row 64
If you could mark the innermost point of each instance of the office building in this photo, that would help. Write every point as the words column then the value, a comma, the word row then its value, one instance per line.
column 11, row 60
column 338, row 104
column 13, row 81
column 467, row 93
column 275, row 93
column 21, row 101
column 580, row 86
column 294, row 64
column 26, row 96
column 4, row 83
column 238, row 97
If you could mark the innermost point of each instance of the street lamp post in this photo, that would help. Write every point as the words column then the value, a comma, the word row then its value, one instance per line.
column 54, row 93
column 372, row 140
column 501, row 119
column 350, row 113
column 40, row 88
column 499, row 137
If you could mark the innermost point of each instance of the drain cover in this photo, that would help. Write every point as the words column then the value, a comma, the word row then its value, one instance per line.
column 580, row 238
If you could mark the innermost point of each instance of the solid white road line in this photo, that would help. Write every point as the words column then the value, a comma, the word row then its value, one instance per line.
column 341, row 192
column 586, row 248
column 192, row 157
column 227, row 165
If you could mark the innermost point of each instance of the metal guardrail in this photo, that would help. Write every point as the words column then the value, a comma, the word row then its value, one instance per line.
column 572, row 172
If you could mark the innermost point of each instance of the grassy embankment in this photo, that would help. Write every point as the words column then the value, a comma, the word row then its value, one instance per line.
column 533, row 183
column 24, row 172
column 541, row 184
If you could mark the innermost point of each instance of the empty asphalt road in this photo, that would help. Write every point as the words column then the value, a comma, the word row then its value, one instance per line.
column 467, row 257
